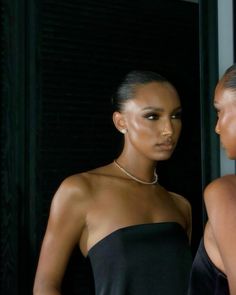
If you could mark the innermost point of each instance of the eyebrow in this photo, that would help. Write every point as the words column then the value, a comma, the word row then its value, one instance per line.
column 160, row 109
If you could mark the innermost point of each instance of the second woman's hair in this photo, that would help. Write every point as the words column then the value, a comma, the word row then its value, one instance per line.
column 229, row 78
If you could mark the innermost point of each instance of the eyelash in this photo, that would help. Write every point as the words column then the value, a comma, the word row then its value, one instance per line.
column 177, row 115
column 153, row 116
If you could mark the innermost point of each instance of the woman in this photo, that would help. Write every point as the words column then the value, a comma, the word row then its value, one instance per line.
column 214, row 267
column 133, row 231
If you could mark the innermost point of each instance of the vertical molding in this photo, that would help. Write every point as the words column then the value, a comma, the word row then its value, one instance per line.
column 33, row 89
column 20, row 113
column 208, row 79
column 234, row 29
column 32, row 205
column 13, row 188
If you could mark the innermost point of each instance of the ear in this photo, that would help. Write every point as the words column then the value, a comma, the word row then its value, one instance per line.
column 119, row 122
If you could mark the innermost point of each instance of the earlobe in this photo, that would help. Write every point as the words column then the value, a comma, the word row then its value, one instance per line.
column 119, row 122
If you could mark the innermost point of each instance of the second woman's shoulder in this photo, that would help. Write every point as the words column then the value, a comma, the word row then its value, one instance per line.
column 221, row 191
column 225, row 185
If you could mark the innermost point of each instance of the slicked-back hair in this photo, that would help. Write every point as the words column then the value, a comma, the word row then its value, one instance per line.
column 127, row 88
column 229, row 78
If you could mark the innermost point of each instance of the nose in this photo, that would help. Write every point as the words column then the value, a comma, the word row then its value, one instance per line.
column 167, row 128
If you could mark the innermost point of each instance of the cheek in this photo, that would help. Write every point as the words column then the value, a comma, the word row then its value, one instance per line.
column 228, row 135
column 142, row 127
column 232, row 133
column 178, row 126
column 228, row 125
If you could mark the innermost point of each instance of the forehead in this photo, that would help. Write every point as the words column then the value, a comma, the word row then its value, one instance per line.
column 224, row 96
column 156, row 93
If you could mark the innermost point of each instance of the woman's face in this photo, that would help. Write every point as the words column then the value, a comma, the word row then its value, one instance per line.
column 225, row 104
column 153, row 120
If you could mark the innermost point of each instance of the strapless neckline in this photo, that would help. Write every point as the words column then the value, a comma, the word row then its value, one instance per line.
column 135, row 227
column 149, row 258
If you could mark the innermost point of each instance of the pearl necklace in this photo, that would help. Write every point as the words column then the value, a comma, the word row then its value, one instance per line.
column 135, row 178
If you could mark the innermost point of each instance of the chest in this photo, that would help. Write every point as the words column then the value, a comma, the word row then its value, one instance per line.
column 133, row 206
column 119, row 206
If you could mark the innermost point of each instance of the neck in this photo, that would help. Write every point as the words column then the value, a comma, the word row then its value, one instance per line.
column 133, row 177
column 133, row 164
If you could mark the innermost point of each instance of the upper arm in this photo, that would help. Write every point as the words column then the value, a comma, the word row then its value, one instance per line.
column 185, row 207
column 189, row 218
column 220, row 199
column 65, row 225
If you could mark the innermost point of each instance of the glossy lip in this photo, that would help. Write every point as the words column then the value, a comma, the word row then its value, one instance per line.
column 166, row 147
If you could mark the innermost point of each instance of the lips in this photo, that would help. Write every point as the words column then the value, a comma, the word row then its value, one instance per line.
column 166, row 146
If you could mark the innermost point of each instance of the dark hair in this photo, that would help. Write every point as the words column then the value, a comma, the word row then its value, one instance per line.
column 126, row 89
column 229, row 78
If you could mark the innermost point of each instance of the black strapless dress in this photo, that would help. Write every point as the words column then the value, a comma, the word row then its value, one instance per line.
column 206, row 278
column 145, row 259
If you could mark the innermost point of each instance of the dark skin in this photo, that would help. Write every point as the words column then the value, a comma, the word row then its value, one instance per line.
column 89, row 206
column 220, row 198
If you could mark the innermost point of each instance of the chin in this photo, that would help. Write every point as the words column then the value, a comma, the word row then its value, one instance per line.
column 231, row 157
column 230, row 153
column 163, row 157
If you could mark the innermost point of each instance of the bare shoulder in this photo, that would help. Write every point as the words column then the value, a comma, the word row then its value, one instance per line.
column 221, row 189
column 73, row 189
column 181, row 202
column 77, row 191
column 224, row 182
column 221, row 193
column 71, row 200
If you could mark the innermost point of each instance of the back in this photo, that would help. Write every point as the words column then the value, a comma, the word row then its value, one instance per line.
column 206, row 278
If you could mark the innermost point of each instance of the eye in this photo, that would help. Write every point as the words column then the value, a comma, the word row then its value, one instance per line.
column 152, row 116
column 177, row 115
